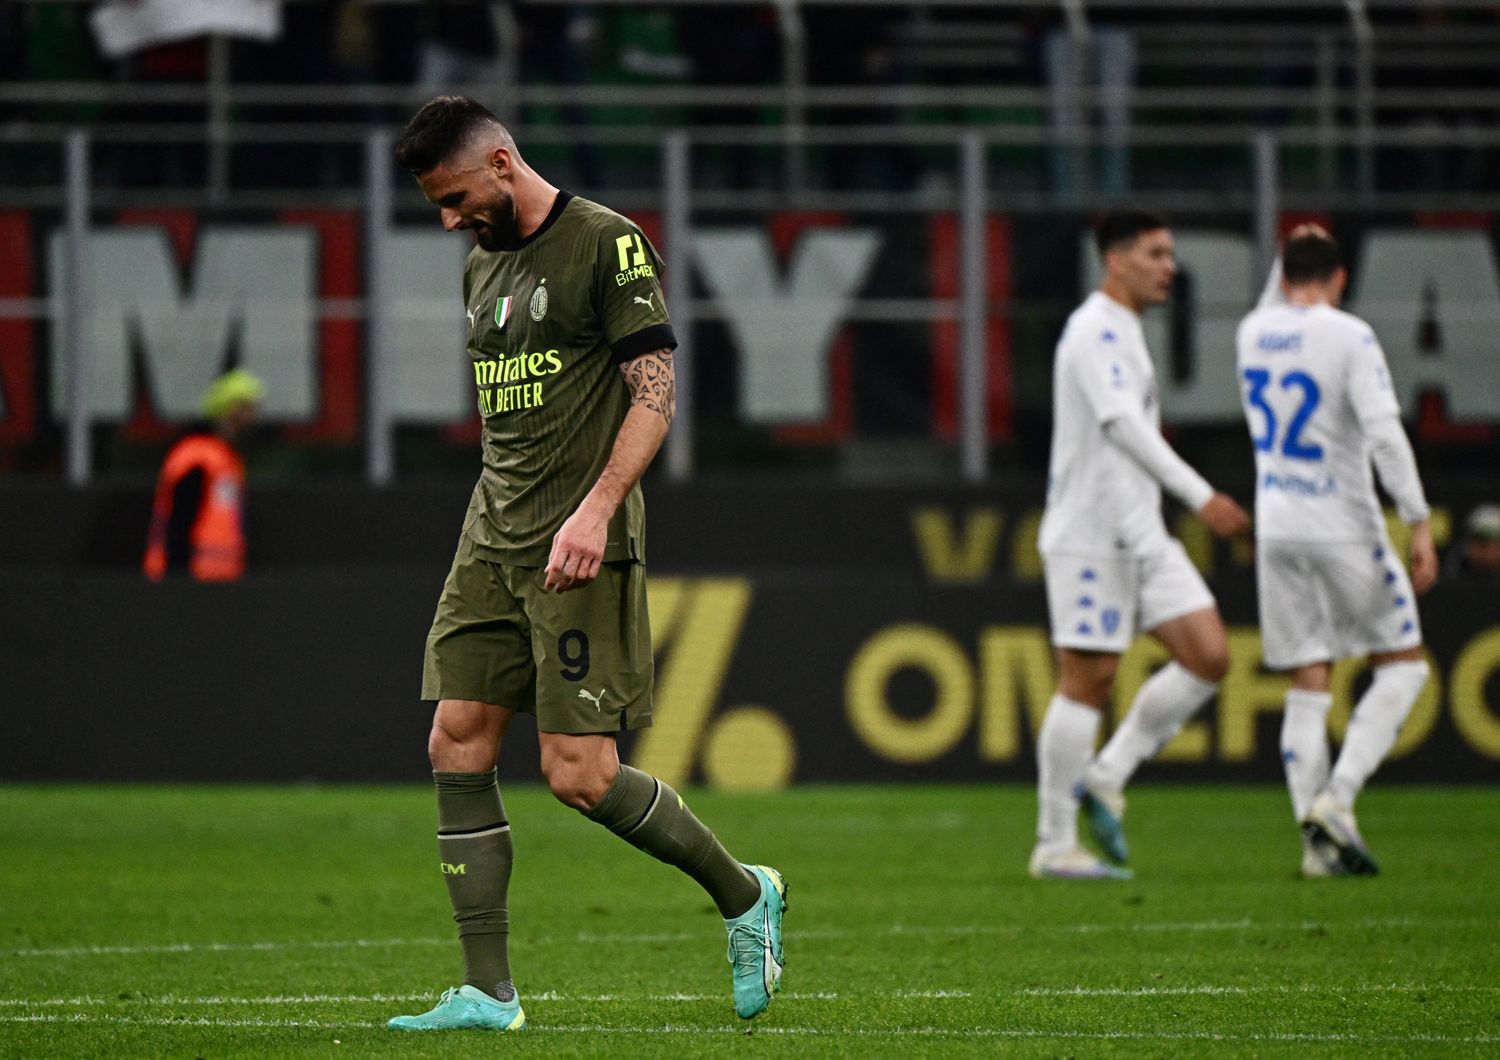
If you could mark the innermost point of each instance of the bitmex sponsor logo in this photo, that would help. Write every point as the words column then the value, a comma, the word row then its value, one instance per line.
column 633, row 263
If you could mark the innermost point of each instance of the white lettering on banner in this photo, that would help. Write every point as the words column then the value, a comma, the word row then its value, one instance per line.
column 1220, row 266
column 430, row 379
column 784, row 328
column 250, row 287
column 1443, row 284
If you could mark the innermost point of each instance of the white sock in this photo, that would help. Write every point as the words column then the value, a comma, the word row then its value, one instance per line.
column 1304, row 746
column 1063, row 749
column 1374, row 726
column 1165, row 702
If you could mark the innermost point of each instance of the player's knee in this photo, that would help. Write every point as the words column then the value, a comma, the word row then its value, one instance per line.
column 452, row 751
column 440, row 747
column 1092, row 686
column 1097, row 689
column 1089, row 680
column 574, row 783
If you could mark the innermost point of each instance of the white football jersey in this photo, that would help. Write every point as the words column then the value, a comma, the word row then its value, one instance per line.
column 1099, row 500
column 1310, row 378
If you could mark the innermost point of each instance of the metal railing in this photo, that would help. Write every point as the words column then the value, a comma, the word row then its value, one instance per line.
column 972, row 199
column 1339, row 132
column 1342, row 56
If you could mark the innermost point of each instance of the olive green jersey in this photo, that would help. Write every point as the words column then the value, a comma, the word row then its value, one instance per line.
column 549, row 323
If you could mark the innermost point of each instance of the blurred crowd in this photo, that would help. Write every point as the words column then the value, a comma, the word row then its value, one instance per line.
column 436, row 44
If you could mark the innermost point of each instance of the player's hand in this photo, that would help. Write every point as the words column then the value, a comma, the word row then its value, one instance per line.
column 1223, row 516
column 1424, row 563
column 577, row 552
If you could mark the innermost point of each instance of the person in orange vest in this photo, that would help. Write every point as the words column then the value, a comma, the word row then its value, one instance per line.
column 196, row 518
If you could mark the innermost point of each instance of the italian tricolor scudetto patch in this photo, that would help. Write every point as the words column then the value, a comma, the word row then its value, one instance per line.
column 502, row 310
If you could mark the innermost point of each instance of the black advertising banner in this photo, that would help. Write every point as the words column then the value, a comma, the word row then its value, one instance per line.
column 767, row 680
column 802, row 632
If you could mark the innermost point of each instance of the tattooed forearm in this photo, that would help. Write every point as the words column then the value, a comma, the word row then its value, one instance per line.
column 653, row 383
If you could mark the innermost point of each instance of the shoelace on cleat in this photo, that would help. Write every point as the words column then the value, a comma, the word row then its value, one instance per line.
column 747, row 943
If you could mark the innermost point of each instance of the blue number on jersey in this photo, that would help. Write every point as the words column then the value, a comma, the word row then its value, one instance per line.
column 1258, row 378
column 1292, row 446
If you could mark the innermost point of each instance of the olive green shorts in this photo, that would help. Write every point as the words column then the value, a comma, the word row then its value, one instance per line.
column 580, row 661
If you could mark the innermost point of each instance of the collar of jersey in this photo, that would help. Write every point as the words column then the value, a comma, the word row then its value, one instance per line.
column 1117, row 308
column 558, row 205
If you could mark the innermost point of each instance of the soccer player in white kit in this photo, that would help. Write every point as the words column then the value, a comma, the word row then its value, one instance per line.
column 1111, row 567
column 1318, row 399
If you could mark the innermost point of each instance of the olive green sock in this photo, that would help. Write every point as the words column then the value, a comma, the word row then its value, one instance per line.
column 475, row 851
column 648, row 814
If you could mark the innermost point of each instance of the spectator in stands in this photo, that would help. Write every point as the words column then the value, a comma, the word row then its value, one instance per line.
column 467, row 44
column 197, row 525
column 731, row 46
column 1475, row 556
column 557, row 41
column 856, row 46
column 1077, row 59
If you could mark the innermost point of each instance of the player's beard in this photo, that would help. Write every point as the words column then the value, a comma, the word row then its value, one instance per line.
column 503, row 232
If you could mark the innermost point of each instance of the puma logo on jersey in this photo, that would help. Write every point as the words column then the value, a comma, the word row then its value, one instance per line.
column 470, row 314
column 584, row 693
column 646, row 301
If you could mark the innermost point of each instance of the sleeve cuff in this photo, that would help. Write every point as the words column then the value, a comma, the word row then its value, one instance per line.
column 656, row 337
column 1198, row 495
column 1413, row 516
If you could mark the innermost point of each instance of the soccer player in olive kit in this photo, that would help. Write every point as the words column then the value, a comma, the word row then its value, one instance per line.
column 544, row 609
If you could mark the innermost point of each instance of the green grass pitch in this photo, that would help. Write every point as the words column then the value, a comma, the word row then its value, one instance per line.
column 214, row 922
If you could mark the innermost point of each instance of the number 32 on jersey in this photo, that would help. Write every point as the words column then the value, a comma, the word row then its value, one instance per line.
column 1292, row 445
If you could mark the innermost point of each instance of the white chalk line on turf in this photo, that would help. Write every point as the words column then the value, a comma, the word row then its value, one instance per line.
column 1268, row 988
column 226, row 947
column 168, row 1000
column 546, row 995
column 792, row 1032
column 896, row 930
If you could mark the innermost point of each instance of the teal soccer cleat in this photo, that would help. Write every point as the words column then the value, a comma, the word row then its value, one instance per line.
column 755, row 945
column 1071, row 863
column 463, row 1008
column 1105, row 813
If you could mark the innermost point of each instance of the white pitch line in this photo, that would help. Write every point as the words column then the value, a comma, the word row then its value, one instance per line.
column 793, row 1032
column 167, row 1021
column 1212, row 991
column 167, row 1000
column 897, row 930
column 173, row 999
column 227, row 947
column 1149, row 1036
column 548, row 995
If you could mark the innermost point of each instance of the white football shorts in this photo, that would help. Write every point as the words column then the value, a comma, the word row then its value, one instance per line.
column 1097, row 603
column 1322, row 601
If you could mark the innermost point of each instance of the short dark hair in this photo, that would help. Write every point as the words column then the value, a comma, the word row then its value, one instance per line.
column 438, row 129
column 1119, row 228
column 1310, row 257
